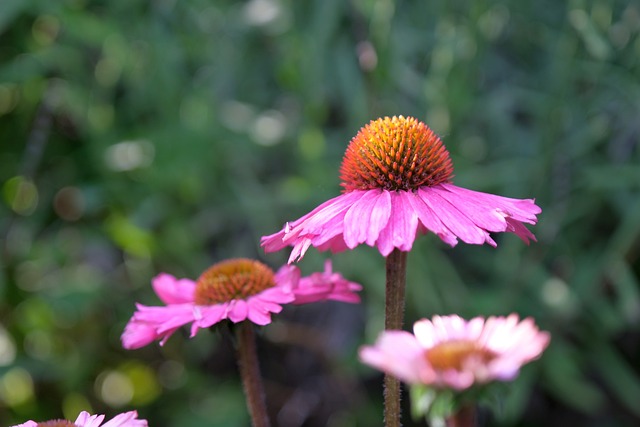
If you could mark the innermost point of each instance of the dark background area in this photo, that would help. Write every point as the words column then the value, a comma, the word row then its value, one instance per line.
column 162, row 135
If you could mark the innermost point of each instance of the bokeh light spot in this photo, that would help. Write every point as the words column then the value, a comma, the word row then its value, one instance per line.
column 7, row 348
column 16, row 387
column 172, row 374
column 9, row 97
column 114, row 388
column 21, row 194
column 129, row 155
column 45, row 29
column 269, row 128
column 69, row 203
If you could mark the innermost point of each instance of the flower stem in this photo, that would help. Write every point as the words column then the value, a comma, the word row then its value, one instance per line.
column 250, row 374
column 465, row 417
column 394, row 318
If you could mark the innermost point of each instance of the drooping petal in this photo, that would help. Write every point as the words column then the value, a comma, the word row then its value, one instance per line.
column 150, row 324
column 366, row 218
column 453, row 219
column 287, row 277
column 237, row 310
column 521, row 210
column 326, row 286
column 138, row 334
column 400, row 231
column 397, row 353
column 126, row 419
column 209, row 316
column 317, row 227
column 260, row 311
column 173, row 291
column 520, row 230
column 29, row 423
column 456, row 353
column 87, row 420
column 429, row 220
column 260, row 317
column 316, row 224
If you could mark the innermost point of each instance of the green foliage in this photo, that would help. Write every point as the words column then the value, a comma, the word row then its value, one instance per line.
column 146, row 136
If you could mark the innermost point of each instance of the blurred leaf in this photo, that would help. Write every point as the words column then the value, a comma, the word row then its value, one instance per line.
column 566, row 380
column 620, row 377
column 9, row 9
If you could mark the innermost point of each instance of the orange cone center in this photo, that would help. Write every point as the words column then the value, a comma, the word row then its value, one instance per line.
column 233, row 279
column 395, row 153
column 456, row 354
column 56, row 423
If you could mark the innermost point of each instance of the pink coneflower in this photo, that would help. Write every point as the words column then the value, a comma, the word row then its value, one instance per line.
column 396, row 175
column 235, row 289
column 450, row 352
column 127, row 419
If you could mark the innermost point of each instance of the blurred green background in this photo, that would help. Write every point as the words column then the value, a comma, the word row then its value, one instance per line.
column 162, row 135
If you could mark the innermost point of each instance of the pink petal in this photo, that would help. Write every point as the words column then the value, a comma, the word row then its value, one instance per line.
column 430, row 220
column 316, row 223
column 260, row 317
column 287, row 277
column 173, row 291
column 299, row 249
column 366, row 218
column 335, row 244
column 87, row 420
column 165, row 318
column 326, row 286
column 27, row 424
column 237, row 310
column 397, row 353
column 400, row 231
column 484, row 215
column 127, row 419
column 523, row 210
column 456, row 379
column 277, row 294
column 520, row 230
column 138, row 334
column 319, row 226
column 209, row 316
column 452, row 218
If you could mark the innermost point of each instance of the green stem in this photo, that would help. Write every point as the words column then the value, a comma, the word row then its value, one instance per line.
column 465, row 417
column 394, row 318
column 250, row 374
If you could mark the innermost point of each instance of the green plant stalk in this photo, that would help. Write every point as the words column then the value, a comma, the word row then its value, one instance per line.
column 250, row 374
column 394, row 318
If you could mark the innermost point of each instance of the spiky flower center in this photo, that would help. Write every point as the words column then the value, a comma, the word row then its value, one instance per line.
column 395, row 153
column 458, row 354
column 233, row 279
column 56, row 423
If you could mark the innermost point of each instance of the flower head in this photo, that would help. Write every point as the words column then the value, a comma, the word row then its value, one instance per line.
column 396, row 175
column 127, row 419
column 235, row 289
column 450, row 352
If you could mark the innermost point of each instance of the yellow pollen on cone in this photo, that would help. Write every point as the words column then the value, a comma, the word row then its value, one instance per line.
column 395, row 153
column 455, row 354
column 232, row 279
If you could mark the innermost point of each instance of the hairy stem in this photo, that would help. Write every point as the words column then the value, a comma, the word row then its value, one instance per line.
column 394, row 318
column 250, row 374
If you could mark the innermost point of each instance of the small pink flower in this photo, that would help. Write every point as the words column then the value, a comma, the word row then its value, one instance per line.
column 236, row 289
column 127, row 419
column 396, row 175
column 450, row 352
